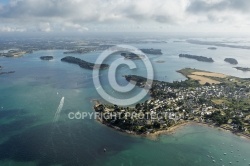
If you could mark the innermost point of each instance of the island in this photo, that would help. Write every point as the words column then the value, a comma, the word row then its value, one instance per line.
column 132, row 56
column 212, row 99
column 90, row 48
column 84, row 64
column 152, row 51
column 231, row 61
column 198, row 58
column 242, row 68
column 80, row 51
column 160, row 61
column 218, row 44
column 9, row 72
column 48, row 58
column 212, row 48
column 15, row 53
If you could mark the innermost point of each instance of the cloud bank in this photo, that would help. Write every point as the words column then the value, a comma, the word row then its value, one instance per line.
column 124, row 15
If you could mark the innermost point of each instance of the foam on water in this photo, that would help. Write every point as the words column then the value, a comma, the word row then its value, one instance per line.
column 59, row 109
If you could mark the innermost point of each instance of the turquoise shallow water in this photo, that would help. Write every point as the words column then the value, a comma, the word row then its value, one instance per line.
column 191, row 145
column 29, row 99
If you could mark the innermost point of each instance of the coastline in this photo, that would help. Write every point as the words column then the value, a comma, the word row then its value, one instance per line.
column 169, row 131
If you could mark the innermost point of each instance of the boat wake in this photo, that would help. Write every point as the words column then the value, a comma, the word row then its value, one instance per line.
column 59, row 109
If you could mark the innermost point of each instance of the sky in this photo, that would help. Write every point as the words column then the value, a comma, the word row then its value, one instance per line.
column 173, row 16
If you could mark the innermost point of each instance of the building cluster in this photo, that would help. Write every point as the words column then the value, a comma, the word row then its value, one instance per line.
column 170, row 106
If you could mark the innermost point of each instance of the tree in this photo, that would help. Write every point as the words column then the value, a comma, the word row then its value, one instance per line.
column 138, row 106
column 143, row 129
column 207, row 84
column 157, row 125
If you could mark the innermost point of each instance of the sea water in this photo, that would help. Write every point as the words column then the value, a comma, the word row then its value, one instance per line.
column 29, row 99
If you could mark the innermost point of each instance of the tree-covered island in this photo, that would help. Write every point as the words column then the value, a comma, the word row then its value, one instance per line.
column 242, row 68
column 151, row 51
column 196, row 57
column 47, row 58
column 132, row 56
column 84, row 64
column 231, row 61
column 223, row 101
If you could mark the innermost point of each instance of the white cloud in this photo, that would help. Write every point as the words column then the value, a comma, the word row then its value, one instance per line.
column 44, row 27
column 11, row 29
column 74, row 27
column 82, row 15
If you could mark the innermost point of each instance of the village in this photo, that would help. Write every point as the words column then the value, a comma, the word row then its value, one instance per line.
column 222, row 105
